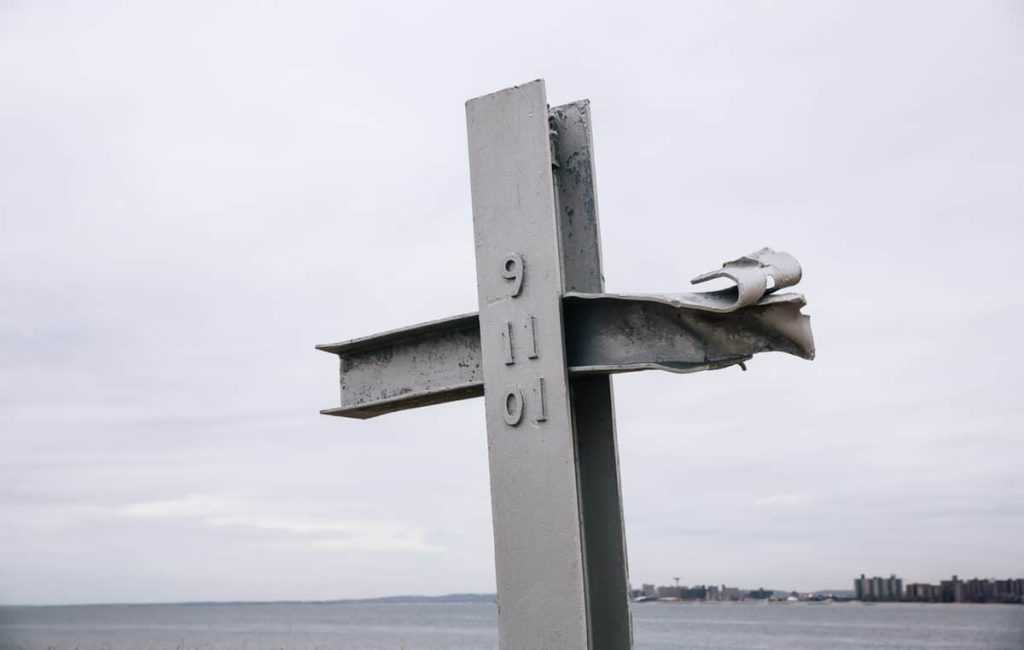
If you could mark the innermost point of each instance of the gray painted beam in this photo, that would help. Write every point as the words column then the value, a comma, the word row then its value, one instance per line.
column 538, row 555
column 544, row 343
column 597, row 461
column 440, row 361
column 407, row 368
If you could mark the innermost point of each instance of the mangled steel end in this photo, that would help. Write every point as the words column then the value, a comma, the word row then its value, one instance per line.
column 756, row 275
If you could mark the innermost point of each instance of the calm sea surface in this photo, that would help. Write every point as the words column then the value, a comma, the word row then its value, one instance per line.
column 465, row 626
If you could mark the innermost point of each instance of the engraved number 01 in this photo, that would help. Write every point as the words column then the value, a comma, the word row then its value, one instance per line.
column 514, row 404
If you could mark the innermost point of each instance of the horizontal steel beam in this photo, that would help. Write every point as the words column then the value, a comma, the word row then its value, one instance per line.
column 439, row 361
column 407, row 368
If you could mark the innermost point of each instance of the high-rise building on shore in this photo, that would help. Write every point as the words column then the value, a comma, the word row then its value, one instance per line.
column 954, row 590
column 878, row 588
column 920, row 592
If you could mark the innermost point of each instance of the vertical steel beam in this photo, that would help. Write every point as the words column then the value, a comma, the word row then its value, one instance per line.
column 604, row 542
column 534, row 491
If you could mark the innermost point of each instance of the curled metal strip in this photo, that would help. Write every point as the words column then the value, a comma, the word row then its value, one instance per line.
column 756, row 275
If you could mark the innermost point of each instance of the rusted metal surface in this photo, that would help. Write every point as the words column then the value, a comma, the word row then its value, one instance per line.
column 439, row 361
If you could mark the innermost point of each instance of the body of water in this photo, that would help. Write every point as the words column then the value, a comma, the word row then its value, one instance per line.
column 472, row 626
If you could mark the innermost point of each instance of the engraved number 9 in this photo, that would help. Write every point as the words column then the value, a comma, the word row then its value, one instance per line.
column 513, row 268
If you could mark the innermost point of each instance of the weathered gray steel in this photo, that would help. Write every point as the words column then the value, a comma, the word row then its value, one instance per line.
column 439, row 361
column 542, row 596
column 614, row 333
column 761, row 272
column 544, row 344
column 406, row 368
column 597, row 458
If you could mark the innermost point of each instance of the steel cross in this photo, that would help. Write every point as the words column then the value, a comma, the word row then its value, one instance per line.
column 541, row 350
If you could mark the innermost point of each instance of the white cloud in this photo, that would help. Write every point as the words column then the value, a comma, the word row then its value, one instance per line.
column 192, row 505
column 191, row 199
column 785, row 500
column 322, row 533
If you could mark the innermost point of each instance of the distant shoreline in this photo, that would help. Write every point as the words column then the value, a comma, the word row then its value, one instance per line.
column 426, row 600
column 384, row 600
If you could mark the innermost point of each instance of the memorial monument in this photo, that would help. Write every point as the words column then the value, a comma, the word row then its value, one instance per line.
column 540, row 351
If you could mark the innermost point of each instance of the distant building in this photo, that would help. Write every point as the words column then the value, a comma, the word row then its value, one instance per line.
column 975, row 590
column 697, row 592
column 670, row 592
column 730, row 593
column 920, row 592
column 878, row 588
column 895, row 587
column 983, row 590
column 952, row 590
column 1009, row 591
column 759, row 594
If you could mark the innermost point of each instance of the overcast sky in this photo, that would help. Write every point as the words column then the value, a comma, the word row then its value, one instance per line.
column 192, row 197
